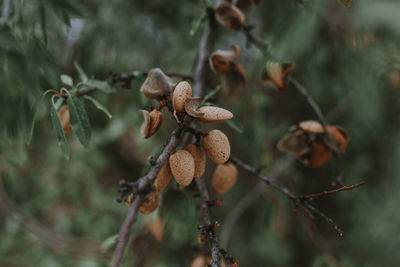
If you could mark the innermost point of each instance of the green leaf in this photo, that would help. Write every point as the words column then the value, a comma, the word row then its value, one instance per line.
column 235, row 125
column 67, row 80
column 79, row 120
column 35, row 111
column 197, row 22
column 62, row 140
column 99, row 105
column 82, row 74
column 211, row 94
column 101, row 85
column 109, row 242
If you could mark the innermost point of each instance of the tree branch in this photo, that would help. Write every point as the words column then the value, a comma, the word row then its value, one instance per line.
column 124, row 232
column 5, row 11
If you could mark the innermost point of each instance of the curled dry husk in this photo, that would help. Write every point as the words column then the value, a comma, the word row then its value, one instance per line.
column 156, row 85
column 246, row 5
column 214, row 114
column 182, row 167
column 221, row 60
column 63, row 114
column 182, row 92
column 150, row 203
column 312, row 144
column 277, row 74
column 229, row 16
column 152, row 122
column 199, row 156
column 217, row 146
column 163, row 178
column 191, row 105
column 224, row 178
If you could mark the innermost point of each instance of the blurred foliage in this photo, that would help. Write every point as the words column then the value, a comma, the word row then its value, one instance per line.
column 62, row 213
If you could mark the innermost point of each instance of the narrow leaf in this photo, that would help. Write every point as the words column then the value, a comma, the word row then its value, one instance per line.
column 79, row 120
column 82, row 74
column 99, row 105
column 67, row 80
column 62, row 140
column 35, row 111
column 101, row 85
column 235, row 125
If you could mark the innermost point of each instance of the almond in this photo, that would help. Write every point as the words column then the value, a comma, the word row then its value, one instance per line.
column 63, row 114
column 214, row 114
column 156, row 117
column 217, row 146
column 199, row 156
column 150, row 203
column 182, row 167
column 221, row 60
column 229, row 16
column 182, row 92
column 224, row 178
column 163, row 178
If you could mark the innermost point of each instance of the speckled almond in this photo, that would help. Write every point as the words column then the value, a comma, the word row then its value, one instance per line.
column 150, row 203
column 311, row 126
column 199, row 156
column 224, row 178
column 63, row 114
column 215, row 114
column 163, row 178
column 182, row 167
column 182, row 92
column 156, row 117
column 217, row 146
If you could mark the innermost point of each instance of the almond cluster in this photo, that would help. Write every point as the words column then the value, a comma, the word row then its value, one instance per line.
column 313, row 144
column 188, row 163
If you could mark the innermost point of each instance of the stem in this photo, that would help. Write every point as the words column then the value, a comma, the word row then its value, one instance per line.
column 124, row 232
column 5, row 11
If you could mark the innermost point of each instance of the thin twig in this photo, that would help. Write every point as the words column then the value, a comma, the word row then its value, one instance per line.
column 251, row 39
column 303, row 91
column 296, row 199
column 328, row 192
column 125, row 230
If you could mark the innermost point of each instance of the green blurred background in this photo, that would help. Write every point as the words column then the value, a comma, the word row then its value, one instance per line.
column 56, row 212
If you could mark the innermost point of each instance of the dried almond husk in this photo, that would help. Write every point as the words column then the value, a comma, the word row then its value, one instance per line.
column 338, row 140
column 156, row 85
column 229, row 16
column 163, row 178
column 318, row 156
column 311, row 126
column 199, row 156
column 217, row 146
column 146, row 125
column 182, row 92
column 277, row 74
column 63, row 114
column 156, row 117
column 295, row 143
column 221, row 60
column 191, row 105
column 150, row 203
column 224, row 178
column 182, row 167
column 200, row 261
